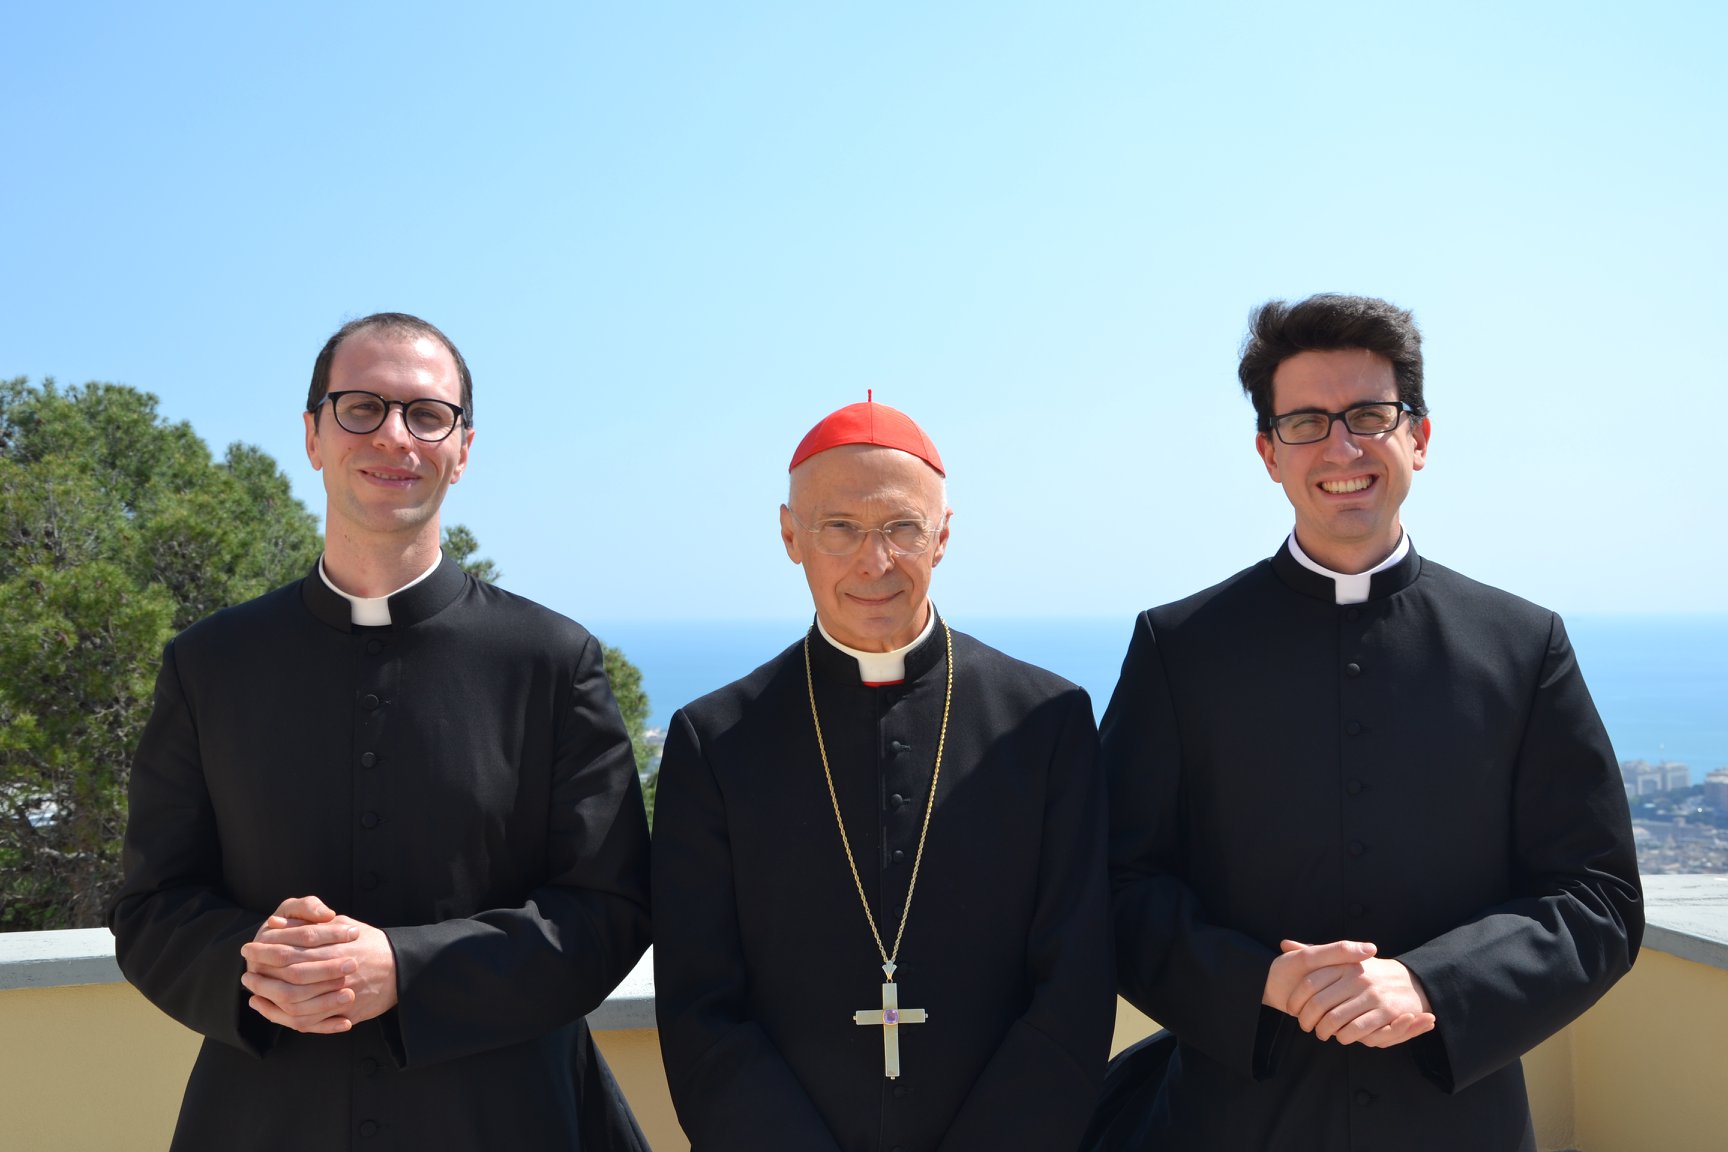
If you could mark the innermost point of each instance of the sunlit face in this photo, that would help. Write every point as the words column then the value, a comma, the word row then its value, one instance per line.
column 386, row 484
column 873, row 600
column 1346, row 489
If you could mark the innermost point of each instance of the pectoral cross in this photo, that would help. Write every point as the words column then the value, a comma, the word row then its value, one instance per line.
column 889, row 1020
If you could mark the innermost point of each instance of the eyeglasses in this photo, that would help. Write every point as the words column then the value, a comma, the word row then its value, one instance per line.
column 364, row 412
column 1372, row 419
column 844, row 537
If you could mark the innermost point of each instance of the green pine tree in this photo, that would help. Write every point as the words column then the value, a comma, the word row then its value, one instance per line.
column 117, row 529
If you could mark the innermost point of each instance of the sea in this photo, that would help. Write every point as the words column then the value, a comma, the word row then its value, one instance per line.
column 1659, row 681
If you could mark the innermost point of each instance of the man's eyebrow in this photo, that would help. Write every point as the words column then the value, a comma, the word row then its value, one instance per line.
column 892, row 518
column 1328, row 411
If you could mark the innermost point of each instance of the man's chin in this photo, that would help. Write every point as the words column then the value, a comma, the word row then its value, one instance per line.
column 392, row 522
column 870, row 634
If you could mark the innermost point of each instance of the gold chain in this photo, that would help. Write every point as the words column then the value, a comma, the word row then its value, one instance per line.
column 941, row 742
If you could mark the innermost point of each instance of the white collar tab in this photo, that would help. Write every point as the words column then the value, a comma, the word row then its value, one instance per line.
column 1350, row 587
column 881, row 667
column 373, row 611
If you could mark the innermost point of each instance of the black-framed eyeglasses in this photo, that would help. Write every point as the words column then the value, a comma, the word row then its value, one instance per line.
column 365, row 412
column 1375, row 418
column 845, row 537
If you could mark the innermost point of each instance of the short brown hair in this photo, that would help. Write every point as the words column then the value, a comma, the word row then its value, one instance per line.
column 388, row 323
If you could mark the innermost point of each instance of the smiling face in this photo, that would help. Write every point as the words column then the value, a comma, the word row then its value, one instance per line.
column 1346, row 489
column 873, row 600
column 385, row 487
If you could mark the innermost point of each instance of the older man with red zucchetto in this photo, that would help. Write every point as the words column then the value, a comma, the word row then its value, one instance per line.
column 881, row 907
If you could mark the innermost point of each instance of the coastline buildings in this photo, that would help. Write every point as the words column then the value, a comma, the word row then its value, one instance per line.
column 1681, row 828
column 1716, row 791
column 1643, row 778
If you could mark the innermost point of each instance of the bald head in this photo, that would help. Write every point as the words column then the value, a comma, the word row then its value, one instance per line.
column 901, row 472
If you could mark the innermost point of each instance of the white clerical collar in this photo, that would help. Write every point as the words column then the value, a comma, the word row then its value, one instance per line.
column 881, row 667
column 1350, row 587
column 373, row 611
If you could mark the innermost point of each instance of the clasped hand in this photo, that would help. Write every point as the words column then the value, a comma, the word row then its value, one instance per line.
column 1342, row 991
column 312, row 970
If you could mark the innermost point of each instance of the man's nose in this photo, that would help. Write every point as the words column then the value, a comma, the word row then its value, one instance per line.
column 874, row 555
column 1341, row 442
column 394, row 429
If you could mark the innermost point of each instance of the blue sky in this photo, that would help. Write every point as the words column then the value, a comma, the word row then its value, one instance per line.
column 669, row 238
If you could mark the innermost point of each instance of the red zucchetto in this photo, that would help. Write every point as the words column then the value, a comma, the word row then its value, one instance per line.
column 868, row 423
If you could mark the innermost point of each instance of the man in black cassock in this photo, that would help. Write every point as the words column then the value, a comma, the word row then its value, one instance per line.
column 1368, row 839
column 794, row 1014
column 386, row 845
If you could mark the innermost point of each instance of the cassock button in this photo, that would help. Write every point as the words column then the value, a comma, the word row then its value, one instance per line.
column 368, row 1066
column 1354, row 728
column 368, row 881
column 1353, row 786
column 899, row 856
column 897, row 747
column 1364, row 1097
column 368, row 702
column 1352, row 669
column 368, row 819
column 1353, row 614
column 1357, row 910
column 901, row 1091
column 368, row 759
column 1356, row 848
column 368, row 1128
column 373, row 647
column 896, row 800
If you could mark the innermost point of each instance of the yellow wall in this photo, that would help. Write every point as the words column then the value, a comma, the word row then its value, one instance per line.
column 92, row 1068
column 1651, row 1061
column 1131, row 1025
column 635, row 1059
column 1548, row 1078
column 95, row 1068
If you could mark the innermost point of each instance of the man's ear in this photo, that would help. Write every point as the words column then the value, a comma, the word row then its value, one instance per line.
column 312, row 440
column 941, row 547
column 1268, row 452
column 789, row 536
column 467, row 435
column 1420, row 431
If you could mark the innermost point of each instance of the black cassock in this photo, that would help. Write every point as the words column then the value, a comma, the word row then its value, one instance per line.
column 1425, row 771
column 762, row 950
column 460, row 779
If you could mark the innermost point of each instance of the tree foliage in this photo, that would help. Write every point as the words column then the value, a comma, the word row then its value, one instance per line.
column 632, row 699
column 461, row 544
column 117, row 529
column 627, row 689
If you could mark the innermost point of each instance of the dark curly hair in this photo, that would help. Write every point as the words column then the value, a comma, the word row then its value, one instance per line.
column 1278, row 330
